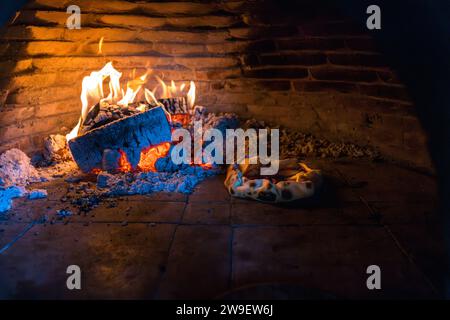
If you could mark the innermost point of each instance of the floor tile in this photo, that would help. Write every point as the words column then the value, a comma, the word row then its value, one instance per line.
column 331, row 259
column 199, row 263
column 211, row 189
column 207, row 213
column 116, row 261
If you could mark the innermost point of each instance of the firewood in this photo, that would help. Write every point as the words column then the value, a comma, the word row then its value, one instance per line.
column 104, row 113
column 174, row 105
column 130, row 134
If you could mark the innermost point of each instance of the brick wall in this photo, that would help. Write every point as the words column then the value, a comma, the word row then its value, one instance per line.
column 316, row 71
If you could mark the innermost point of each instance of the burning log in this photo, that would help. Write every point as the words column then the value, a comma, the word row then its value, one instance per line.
column 129, row 135
column 103, row 113
column 174, row 105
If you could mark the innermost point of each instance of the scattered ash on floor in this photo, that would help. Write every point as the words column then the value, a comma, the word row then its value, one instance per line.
column 85, row 192
column 86, row 195
column 183, row 180
column 300, row 145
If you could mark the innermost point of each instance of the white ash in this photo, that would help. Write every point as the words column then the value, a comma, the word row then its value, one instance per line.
column 16, row 172
column 9, row 193
column 182, row 181
column 37, row 194
column 16, row 169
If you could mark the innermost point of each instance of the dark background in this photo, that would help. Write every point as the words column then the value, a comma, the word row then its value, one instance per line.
column 8, row 9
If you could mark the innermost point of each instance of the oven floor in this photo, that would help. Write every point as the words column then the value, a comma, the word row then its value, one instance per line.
column 207, row 245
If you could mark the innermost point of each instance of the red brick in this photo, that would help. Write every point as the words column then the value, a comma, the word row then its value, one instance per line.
column 332, row 29
column 234, row 46
column 277, row 73
column 343, row 74
column 263, row 32
column 311, row 44
column 357, row 59
column 361, row 44
column 300, row 58
column 317, row 86
column 389, row 76
column 396, row 92
column 149, row 8
column 250, row 86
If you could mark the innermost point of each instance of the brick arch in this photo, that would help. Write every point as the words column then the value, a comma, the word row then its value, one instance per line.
column 316, row 71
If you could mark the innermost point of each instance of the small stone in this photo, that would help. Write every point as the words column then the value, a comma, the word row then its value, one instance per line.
column 37, row 194
column 73, row 179
column 103, row 179
column 63, row 213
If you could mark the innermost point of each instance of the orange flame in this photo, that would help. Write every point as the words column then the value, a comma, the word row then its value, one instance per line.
column 191, row 95
column 124, row 164
column 100, row 45
column 180, row 118
column 150, row 155
column 173, row 91
column 92, row 91
column 148, row 158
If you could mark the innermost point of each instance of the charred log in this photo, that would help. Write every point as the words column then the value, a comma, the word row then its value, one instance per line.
column 130, row 135
column 174, row 105
column 104, row 113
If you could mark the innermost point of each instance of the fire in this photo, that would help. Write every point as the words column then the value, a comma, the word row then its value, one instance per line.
column 124, row 164
column 191, row 95
column 92, row 93
column 100, row 45
column 148, row 158
column 133, row 87
column 182, row 119
column 174, row 91
column 150, row 155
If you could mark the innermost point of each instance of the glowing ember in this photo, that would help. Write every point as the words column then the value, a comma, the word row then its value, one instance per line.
column 148, row 158
column 151, row 155
column 181, row 118
column 124, row 164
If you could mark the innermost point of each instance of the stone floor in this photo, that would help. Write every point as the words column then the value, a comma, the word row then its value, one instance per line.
column 208, row 245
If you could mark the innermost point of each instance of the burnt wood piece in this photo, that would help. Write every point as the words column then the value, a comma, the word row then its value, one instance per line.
column 101, row 115
column 130, row 135
column 174, row 105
